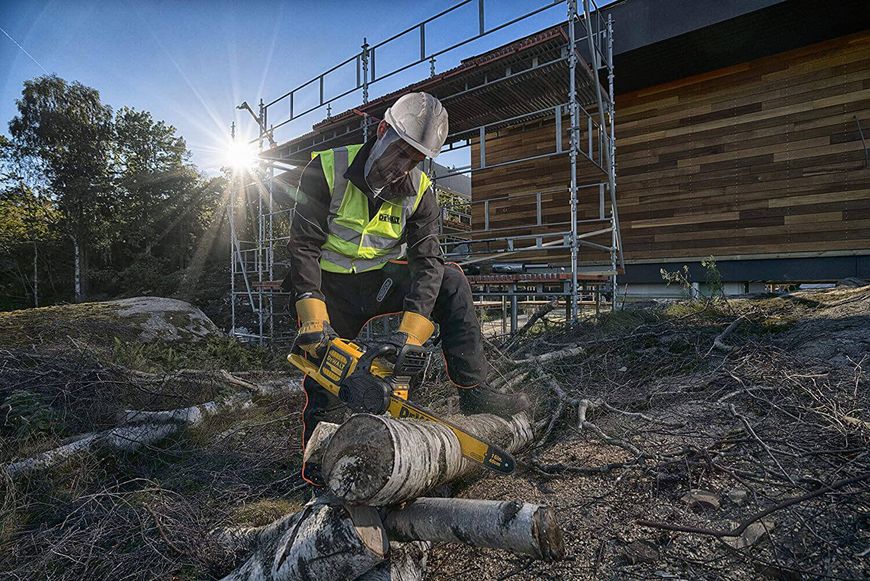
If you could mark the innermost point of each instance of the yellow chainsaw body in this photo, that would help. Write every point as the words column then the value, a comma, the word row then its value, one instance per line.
column 340, row 361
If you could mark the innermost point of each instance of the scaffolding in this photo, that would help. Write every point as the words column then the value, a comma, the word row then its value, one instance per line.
column 564, row 74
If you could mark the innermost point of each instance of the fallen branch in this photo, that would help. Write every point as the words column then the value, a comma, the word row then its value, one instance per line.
column 550, row 357
column 536, row 316
column 761, row 442
column 719, row 341
column 145, row 428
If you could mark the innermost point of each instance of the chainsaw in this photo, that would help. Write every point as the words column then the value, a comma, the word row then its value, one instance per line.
column 365, row 380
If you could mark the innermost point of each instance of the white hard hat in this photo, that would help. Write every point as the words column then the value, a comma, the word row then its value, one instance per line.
column 421, row 120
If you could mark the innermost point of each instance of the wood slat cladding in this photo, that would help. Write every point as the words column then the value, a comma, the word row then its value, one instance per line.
column 761, row 158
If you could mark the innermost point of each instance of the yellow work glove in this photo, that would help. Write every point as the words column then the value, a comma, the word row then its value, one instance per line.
column 314, row 328
column 416, row 328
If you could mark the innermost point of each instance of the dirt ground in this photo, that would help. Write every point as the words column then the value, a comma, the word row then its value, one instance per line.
column 744, row 460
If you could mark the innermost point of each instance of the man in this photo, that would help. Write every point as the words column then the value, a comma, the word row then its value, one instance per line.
column 361, row 210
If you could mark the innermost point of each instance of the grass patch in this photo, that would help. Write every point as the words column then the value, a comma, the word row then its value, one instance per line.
column 264, row 511
column 215, row 352
column 52, row 327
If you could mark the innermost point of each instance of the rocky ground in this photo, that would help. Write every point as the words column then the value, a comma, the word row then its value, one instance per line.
column 695, row 440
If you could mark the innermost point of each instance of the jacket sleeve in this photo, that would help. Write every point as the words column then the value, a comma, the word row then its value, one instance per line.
column 424, row 256
column 308, row 232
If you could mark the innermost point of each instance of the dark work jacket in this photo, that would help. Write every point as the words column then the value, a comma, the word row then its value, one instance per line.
column 309, row 228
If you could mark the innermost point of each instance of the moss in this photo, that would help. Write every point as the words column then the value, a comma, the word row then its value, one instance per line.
column 65, row 326
column 622, row 321
column 683, row 309
column 264, row 511
column 215, row 352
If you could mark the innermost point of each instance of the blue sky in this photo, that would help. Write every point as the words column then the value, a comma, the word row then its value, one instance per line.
column 190, row 62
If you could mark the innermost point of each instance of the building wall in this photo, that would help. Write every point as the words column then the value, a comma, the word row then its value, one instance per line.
column 758, row 160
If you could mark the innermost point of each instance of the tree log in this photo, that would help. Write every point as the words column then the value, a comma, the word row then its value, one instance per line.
column 380, row 461
column 329, row 541
column 318, row 442
column 323, row 542
column 145, row 427
column 527, row 529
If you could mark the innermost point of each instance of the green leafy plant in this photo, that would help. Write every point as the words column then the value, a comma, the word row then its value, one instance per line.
column 25, row 414
column 678, row 277
column 712, row 277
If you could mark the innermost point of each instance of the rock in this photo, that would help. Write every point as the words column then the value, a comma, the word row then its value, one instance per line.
column 753, row 533
column 738, row 495
column 701, row 500
column 165, row 319
column 98, row 325
column 641, row 552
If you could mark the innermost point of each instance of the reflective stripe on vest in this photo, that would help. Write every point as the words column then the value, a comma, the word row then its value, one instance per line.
column 355, row 243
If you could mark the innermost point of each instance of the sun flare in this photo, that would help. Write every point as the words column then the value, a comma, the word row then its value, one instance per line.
column 241, row 155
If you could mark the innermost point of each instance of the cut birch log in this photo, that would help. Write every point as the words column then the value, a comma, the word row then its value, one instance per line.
column 379, row 461
column 317, row 443
column 321, row 542
column 527, row 529
column 145, row 428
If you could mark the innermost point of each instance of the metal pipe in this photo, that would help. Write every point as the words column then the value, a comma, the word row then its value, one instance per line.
column 231, row 208
column 617, row 233
column 261, row 234
column 365, row 87
column 514, row 310
column 480, row 22
column 572, row 105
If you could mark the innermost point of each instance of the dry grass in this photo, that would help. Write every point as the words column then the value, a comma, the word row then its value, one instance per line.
column 795, row 376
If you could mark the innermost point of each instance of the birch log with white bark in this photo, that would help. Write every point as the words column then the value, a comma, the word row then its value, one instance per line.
column 527, row 529
column 317, row 443
column 323, row 542
column 380, row 461
column 143, row 428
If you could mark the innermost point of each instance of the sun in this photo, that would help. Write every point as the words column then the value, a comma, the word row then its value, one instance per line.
column 240, row 155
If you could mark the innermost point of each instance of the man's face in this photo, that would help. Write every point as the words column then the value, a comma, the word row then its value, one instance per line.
column 390, row 160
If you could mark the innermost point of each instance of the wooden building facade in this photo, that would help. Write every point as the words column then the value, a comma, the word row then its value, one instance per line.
column 762, row 164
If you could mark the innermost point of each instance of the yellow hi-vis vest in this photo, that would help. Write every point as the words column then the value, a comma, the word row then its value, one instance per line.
column 354, row 242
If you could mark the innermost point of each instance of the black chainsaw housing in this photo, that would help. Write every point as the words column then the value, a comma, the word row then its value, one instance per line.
column 365, row 393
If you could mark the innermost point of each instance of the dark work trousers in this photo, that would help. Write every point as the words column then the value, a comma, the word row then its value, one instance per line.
column 353, row 299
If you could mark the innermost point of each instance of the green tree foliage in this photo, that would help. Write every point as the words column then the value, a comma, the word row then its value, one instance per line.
column 63, row 132
column 118, row 187
column 163, row 204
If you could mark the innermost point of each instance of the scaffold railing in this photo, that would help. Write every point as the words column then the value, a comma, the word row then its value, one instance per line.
column 570, row 59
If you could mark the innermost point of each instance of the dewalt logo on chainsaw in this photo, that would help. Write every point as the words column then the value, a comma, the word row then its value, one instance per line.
column 336, row 365
column 407, row 413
